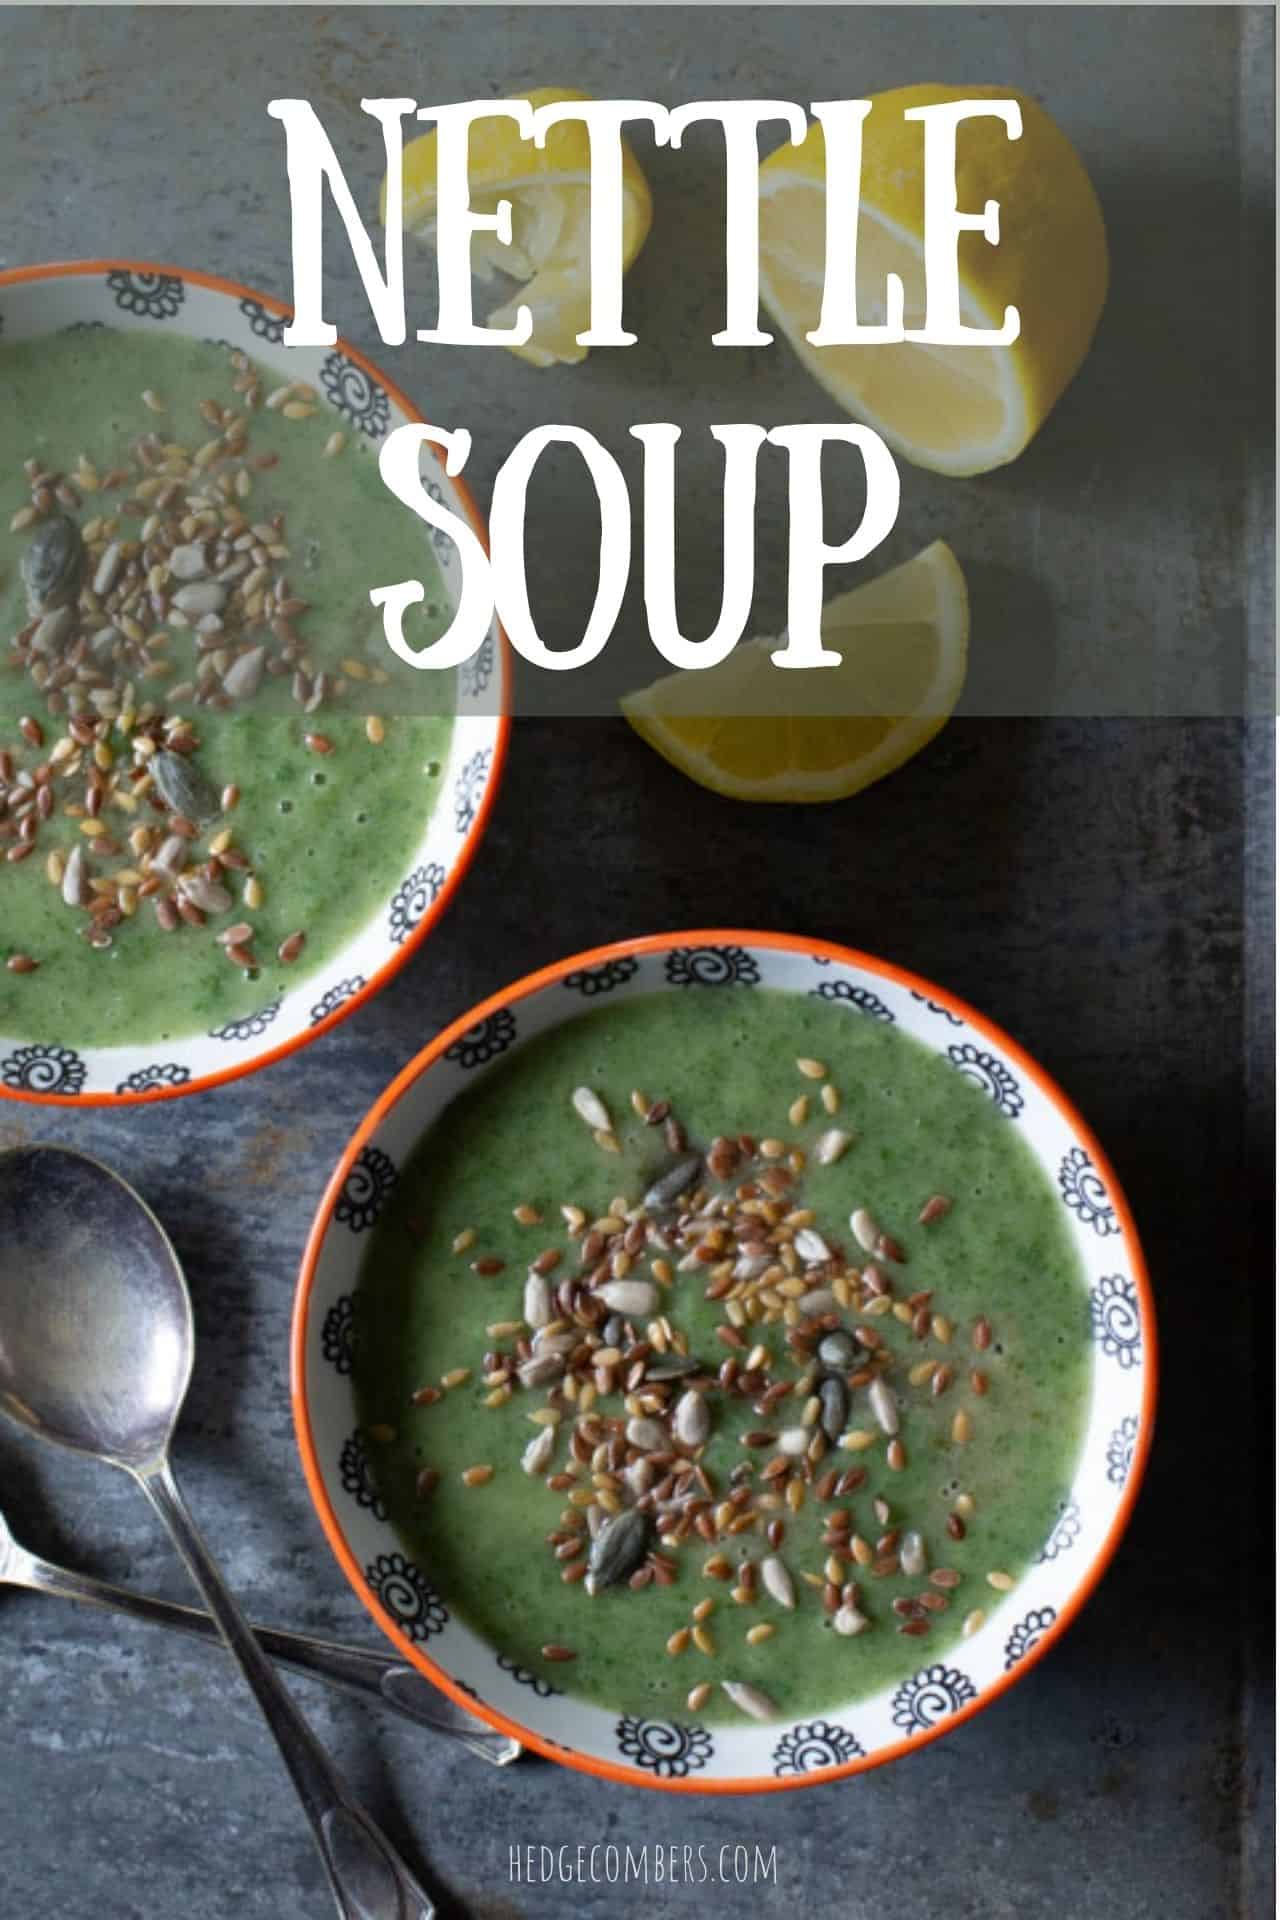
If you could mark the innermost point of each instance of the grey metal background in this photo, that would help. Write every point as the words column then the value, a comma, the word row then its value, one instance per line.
column 1106, row 565
column 1101, row 888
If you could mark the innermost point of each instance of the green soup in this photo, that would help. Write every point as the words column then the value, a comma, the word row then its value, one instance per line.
column 286, row 529
column 885, row 1539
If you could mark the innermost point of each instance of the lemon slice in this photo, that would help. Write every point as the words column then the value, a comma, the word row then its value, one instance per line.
column 550, row 193
column 754, row 731
column 959, row 410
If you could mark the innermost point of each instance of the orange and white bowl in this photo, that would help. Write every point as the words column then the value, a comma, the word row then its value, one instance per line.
column 136, row 296
column 686, row 1755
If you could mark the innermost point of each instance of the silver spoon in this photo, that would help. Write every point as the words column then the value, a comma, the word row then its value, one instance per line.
column 96, row 1346
column 357, row 1670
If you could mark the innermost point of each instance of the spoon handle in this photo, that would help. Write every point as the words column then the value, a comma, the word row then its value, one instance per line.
column 368, row 1879
column 358, row 1670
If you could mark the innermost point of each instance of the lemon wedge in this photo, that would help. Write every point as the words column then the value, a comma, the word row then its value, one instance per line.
column 753, row 731
column 549, row 189
column 958, row 410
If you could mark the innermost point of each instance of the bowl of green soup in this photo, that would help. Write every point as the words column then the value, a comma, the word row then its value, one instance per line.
column 227, row 812
column 724, row 1361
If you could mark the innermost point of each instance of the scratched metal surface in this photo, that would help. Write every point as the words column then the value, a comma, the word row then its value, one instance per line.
column 1086, row 882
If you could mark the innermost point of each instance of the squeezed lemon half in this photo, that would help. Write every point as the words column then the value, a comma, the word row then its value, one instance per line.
column 959, row 410
column 549, row 189
column 753, row 731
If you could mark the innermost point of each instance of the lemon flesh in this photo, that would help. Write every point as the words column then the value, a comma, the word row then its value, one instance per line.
column 958, row 410
column 549, row 189
column 753, row 731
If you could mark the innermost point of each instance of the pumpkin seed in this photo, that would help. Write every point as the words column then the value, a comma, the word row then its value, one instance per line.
column 53, row 564
column 183, row 787
column 677, row 1179
column 618, row 1549
column 834, row 1398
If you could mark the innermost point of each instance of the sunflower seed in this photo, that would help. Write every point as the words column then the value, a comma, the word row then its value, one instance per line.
column 244, row 676
column 632, row 1297
column 818, row 1300
column 200, row 596
column 53, row 629
column 884, row 1406
column 777, row 1580
column 691, row 1421
column 811, row 1246
column 911, row 1553
column 537, row 1300
column 618, row 1549
column 209, row 895
column 750, row 1699
column 829, row 1146
column 590, row 1107
column 847, row 1621
column 188, row 562
column 646, row 1434
column 865, row 1228
column 639, row 1477
column 537, row 1455
column 541, row 1369
column 75, row 878
column 108, row 568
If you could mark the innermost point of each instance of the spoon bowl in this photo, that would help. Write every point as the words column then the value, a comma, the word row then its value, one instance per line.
column 96, row 1336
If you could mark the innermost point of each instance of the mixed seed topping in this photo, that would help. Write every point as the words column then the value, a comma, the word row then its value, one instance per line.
column 156, row 589
column 841, row 1362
